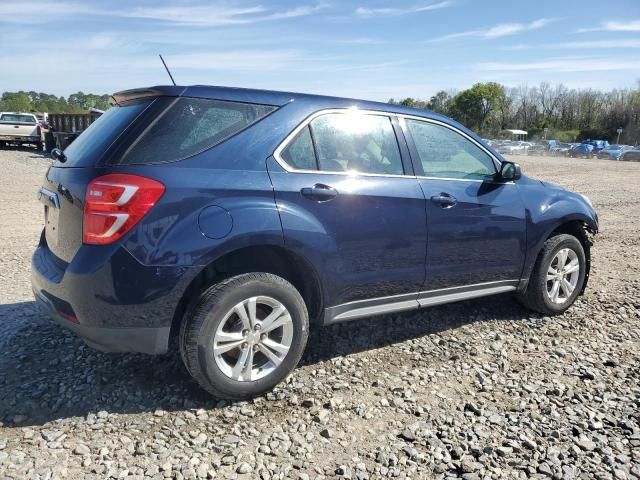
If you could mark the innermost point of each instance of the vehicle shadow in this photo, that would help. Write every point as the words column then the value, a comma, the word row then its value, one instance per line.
column 47, row 373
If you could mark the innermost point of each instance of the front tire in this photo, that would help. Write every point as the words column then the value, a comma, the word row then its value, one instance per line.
column 558, row 276
column 244, row 335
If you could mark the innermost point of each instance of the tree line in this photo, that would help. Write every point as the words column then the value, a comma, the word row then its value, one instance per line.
column 566, row 114
column 39, row 102
column 487, row 108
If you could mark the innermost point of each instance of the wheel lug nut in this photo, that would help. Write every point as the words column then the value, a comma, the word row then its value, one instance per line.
column 256, row 327
column 245, row 345
column 245, row 333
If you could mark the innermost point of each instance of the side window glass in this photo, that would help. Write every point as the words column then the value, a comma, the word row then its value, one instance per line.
column 356, row 142
column 299, row 154
column 446, row 154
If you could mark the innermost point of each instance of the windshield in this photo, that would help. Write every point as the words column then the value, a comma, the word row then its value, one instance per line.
column 87, row 149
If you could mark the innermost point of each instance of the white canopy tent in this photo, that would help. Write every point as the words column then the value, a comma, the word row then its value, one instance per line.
column 517, row 134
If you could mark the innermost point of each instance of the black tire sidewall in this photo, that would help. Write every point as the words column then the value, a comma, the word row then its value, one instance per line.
column 564, row 241
column 213, row 310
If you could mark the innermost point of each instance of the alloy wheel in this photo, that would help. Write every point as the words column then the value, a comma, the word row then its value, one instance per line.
column 562, row 275
column 253, row 339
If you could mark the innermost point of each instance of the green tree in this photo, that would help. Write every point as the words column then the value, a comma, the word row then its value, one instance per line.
column 15, row 102
column 474, row 105
column 440, row 102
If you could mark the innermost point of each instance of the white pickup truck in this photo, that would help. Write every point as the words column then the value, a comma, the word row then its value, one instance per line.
column 20, row 128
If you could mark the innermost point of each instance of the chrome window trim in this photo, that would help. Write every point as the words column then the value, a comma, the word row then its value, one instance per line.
column 402, row 117
column 277, row 154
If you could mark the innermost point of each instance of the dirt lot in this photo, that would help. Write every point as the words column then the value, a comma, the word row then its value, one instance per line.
column 479, row 389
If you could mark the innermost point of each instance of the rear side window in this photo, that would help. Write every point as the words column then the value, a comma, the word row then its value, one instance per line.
column 177, row 128
column 299, row 153
column 356, row 142
column 346, row 142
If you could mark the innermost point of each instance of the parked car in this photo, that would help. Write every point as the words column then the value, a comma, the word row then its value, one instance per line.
column 560, row 149
column 235, row 220
column 20, row 128
column 613, row 152
column 537, row 149
column 514, row 148
column 596, row 144
column 584, row 150
column 632, row 155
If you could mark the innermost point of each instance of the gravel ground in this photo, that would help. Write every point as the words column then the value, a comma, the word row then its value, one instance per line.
column 479, row 389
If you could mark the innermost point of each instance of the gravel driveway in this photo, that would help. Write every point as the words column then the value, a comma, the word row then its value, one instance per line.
column 479, row 389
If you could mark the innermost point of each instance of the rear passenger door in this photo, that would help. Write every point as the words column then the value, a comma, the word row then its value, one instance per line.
column 350, row 203
column 476, row 225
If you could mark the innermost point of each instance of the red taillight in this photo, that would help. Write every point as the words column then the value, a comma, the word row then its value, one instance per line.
column 114, row 203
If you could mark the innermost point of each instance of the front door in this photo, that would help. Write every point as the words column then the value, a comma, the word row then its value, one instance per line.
column 476, row 225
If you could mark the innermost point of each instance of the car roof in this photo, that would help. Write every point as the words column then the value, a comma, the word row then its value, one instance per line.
column 271, row 97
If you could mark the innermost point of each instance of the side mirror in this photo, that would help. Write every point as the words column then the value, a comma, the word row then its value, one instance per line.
column 509, row 171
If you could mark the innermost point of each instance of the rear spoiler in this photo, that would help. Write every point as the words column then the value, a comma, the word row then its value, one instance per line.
column 137, row 94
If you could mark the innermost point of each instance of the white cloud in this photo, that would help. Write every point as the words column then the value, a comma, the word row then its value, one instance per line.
column 36, row 12
column 587, row 44
column 615, row 26
column 564, row 64
column 232, row 60
column 394, row 11
column 217, row 15
column 497, row 31
column 27, row 12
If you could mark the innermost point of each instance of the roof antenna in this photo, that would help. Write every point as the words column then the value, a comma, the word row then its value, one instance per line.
column 167, row 69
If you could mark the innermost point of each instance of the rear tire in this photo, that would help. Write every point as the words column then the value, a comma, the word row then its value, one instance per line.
column 555, row 283
column 244, row 335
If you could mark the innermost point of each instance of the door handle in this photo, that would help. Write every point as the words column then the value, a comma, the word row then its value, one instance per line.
column 444, row 200
column 319, row 192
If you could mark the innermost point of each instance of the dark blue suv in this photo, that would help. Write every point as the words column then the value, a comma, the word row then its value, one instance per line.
column 234, row 220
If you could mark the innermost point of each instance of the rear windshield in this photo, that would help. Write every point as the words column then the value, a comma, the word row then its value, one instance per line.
column 13, row 118
column 176, row 128
column 87, row 149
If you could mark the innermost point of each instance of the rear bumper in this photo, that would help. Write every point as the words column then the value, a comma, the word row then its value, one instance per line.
column 135, row 339
column 19, row 138
column 108, row 298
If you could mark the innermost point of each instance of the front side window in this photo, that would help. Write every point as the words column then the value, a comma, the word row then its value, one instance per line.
column 444, row 153
column 346, row 142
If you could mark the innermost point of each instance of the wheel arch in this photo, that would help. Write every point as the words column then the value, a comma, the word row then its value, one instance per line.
column 581, row 228
column 274, row 259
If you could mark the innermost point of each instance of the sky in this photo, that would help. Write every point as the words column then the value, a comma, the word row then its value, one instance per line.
column 377, row 49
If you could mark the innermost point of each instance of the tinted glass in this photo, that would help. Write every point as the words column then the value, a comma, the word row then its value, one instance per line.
column 356, row 142
column 299, row 153
column 93, row 142
column 13, row 118
column 447, row 154
column 182, row 127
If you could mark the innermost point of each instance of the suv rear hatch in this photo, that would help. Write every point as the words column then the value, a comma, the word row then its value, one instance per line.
column 144, row 127
column 64, row 186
